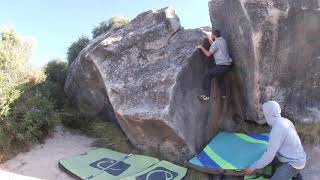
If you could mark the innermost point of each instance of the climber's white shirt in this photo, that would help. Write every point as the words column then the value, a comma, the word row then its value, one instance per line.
column 220, row 51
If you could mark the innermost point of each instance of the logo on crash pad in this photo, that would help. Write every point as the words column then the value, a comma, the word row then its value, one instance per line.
column 159, row 173
column 114, row 170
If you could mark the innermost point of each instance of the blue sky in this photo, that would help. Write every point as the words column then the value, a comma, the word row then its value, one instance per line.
column 56, row 23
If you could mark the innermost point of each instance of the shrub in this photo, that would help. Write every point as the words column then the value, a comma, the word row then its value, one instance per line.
column 56, row 73
column 76, row 47
column 14, row 55
column 14, row 68
column 72, row 118
column 33, row 114
column 30, row 119
column 105, row 26
column 26, row 113
column 8, row 94
column 309, row 132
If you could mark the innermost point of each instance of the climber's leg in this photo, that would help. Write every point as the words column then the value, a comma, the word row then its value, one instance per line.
column 217, row 71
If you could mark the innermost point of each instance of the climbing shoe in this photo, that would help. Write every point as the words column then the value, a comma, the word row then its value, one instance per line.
column 204, row 98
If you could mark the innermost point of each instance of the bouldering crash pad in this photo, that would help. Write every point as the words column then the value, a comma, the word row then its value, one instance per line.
column 230, row 153
column 101, row 164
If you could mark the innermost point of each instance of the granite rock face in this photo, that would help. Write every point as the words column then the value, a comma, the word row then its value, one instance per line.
column 146, row 76
column 275, row 46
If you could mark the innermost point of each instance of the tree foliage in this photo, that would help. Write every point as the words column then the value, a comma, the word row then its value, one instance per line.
column 26, row 113
column 105, row 26
column 14, row 67
column 76, row 47
column 14, row 55
column 56, row 73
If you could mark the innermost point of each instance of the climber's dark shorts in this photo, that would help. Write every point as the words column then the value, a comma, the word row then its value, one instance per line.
column 216, row 72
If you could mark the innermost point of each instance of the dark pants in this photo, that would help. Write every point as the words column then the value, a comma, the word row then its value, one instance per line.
column 283, row 171
column 216, row 72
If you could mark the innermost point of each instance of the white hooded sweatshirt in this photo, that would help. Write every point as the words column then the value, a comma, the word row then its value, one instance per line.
column 284, row 142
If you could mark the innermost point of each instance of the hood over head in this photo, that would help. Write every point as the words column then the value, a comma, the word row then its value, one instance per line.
column 271, row 111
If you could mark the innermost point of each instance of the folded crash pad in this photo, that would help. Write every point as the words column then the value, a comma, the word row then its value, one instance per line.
column 95, row 161
column 163, row 170
column 229, row 153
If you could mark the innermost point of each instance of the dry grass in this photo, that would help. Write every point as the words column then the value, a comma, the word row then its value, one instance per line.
column 309, row 132
column 196, row 175
column 108, row 135
column 247, row 127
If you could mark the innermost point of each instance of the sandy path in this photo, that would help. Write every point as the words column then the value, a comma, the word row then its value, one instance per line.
column 42, row 160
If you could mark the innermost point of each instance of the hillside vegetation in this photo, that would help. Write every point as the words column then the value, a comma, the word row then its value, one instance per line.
column 33, row 101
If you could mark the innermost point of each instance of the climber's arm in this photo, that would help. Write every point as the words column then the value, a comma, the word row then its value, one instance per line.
column 206, row 52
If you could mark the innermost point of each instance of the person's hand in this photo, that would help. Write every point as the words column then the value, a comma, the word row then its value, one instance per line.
column 198, row 47
column 209, row 37
column 247, row 171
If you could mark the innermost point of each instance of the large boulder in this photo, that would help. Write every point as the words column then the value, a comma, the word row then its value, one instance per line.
column 276, row 49
column 146, row 76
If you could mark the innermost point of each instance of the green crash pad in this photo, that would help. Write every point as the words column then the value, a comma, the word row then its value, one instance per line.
column 163, row 170
column 94, row 161
column 267, row 173
column 137, row 167
column 229, row 153
column 254, row 177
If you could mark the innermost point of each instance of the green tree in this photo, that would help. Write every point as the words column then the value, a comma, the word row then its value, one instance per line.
column 76, row 47
column 105, row 26
column 15, row 53
column 14, row 68
column 56, row 72
column 26, row 112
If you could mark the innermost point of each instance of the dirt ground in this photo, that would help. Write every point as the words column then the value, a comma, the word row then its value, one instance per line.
column 41, row 162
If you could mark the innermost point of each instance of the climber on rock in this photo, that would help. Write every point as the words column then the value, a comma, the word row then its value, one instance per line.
column 222, row 60
column 284, row 143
